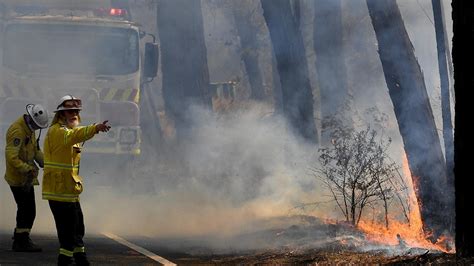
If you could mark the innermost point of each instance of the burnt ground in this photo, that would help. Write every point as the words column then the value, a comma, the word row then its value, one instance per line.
column 324, row 257
column 333, row 250
column 105, row 251
column 309, row 242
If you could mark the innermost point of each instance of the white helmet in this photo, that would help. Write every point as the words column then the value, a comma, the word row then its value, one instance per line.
column 38, row 114
column 69, row 102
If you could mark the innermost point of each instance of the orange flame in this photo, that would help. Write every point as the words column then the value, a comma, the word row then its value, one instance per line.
column 409, row 234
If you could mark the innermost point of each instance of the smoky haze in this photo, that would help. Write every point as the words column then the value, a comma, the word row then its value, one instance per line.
column 42, row 62
column 242, row 171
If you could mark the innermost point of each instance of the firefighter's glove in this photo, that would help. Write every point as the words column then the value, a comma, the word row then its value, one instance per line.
column 103, row 127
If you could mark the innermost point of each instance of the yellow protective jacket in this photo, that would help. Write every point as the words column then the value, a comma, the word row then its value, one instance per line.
column 62, row 154
column 20, row 153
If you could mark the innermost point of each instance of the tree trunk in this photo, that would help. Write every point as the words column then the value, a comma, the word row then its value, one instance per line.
column 277, row 91
column 330, row 61
column 463, row 56
column 184, row 61
column 441, row 36
column 297, row 96
column 353, row 207
column 414, row 115
column 296, row 9
column 249, row 43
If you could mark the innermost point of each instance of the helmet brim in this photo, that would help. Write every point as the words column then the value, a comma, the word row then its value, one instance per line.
column 65, row 109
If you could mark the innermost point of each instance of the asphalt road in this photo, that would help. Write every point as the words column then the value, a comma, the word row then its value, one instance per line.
column 101, row 249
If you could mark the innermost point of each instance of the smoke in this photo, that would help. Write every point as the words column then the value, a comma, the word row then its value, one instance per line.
column 41, row 62
column 238, row 169
column 239, row 172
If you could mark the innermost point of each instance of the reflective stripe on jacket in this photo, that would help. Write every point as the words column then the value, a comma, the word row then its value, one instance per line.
column 20, row 153
column 62, row 154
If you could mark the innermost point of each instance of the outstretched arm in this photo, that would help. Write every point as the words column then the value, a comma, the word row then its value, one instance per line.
column 81, row 134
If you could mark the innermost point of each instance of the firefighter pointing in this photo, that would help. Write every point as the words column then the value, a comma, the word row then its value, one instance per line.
column 61, row 182
column 21, row 153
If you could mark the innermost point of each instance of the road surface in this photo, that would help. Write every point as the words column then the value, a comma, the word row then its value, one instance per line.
column 101, row 249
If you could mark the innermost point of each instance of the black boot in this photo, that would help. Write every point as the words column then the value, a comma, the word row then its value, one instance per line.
column 64, row 260
column 23, row 243
column 81, row 259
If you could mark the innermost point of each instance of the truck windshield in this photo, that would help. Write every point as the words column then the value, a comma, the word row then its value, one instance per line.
column 70, row 49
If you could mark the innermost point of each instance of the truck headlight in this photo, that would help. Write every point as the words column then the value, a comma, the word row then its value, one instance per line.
column 128, row 136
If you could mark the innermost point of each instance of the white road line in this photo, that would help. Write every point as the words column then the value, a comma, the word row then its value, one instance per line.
column 139, row 249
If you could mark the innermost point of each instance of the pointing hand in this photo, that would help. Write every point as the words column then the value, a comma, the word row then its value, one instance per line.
column 103, row 127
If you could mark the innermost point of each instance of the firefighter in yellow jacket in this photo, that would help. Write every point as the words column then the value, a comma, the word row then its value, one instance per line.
column 61, row 182
column 21, row 152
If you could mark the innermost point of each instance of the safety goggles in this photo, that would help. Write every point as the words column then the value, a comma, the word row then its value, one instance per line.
column 76, row 103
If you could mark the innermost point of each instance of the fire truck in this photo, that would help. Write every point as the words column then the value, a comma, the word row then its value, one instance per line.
column 90, row 49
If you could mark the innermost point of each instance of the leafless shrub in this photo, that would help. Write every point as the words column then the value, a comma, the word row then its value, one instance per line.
column 359, row 173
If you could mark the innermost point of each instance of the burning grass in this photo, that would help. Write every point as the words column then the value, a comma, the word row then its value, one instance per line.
column 409, row 233
column 403, row 235
column 310, row 240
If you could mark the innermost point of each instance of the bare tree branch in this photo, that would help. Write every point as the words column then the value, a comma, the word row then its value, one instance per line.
column 358, row 172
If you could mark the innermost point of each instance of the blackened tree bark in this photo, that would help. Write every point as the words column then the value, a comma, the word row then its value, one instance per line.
column 463, row 56
column 414, row 115
column 184, row 61
column 297, row 96
column 296, row 7
column 277, row 92
column 248, row 31
column 441, row 36
column 330, row 61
